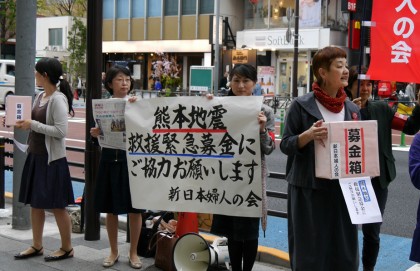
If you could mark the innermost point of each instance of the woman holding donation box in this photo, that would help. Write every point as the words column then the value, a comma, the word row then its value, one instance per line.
column 242, row 232
column 112, row 193
column 321, row 235
column 387, row 120
column 46, row 182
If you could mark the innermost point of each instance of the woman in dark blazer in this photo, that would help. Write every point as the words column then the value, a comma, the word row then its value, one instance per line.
column 321, row 235
column 384, row 115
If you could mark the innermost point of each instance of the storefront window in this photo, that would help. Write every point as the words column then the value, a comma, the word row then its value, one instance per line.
column 310, row 13
column 256, row 14
column 285, row 74
column 266, row 14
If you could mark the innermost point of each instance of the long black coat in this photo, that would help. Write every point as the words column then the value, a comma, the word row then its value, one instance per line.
column 414, row 168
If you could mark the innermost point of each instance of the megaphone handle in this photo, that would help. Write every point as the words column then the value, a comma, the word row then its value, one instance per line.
column 216, row 255
column 156, row 236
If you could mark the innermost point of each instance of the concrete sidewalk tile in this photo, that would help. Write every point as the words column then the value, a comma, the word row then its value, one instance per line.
column 88, row 255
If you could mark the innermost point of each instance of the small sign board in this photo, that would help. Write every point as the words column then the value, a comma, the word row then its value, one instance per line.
column 17, row 108
column 350, row 151
column 240, row 56
column 201, row 78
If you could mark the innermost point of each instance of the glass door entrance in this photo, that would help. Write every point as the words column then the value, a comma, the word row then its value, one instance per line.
column 285, row 75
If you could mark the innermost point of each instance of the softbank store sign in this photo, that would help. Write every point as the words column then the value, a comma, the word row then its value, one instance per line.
column 276, row 39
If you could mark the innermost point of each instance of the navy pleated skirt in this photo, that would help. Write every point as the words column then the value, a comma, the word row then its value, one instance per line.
column 112, row 193
column 46, row 186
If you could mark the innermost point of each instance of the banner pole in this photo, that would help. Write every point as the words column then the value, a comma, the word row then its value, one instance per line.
column 362, row 47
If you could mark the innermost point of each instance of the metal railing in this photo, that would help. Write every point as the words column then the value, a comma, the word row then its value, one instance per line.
column 76, row 164
column 277, row 194
column 147, row 94
column 9, row 154
column 3, row 167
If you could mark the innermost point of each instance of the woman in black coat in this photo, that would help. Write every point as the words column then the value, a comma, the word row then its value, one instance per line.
column 242, row 232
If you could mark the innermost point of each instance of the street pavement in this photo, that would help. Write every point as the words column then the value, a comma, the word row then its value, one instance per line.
column 88, row 254
column 393, row 255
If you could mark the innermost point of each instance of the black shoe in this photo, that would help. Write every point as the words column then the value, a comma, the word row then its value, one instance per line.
column 66, row 255
column 37, row 252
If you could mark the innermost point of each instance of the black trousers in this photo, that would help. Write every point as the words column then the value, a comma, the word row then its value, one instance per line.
column 371, row 231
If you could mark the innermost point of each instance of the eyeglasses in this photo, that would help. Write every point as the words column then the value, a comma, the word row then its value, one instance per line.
column 121, row 80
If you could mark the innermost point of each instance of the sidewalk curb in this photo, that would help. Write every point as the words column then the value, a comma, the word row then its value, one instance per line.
column 265, row 254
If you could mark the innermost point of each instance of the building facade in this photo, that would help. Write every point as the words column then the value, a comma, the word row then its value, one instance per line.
column 52, row 35
column 268, row 23
column 137, row 32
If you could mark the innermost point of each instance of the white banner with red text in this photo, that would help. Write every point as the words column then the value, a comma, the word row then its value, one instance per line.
column 193, row 154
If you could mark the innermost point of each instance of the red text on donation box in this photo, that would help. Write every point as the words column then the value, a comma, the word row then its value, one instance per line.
column 351, row 150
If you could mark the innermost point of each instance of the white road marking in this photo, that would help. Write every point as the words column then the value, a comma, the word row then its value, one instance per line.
column 77, row 120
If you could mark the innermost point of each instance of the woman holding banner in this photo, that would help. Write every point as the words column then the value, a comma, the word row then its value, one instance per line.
column 321, row 235
column 242, row 232
column 112, row 193
column 387, row 120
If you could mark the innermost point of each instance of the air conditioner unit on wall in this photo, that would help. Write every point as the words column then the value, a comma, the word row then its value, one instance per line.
column 55, row 48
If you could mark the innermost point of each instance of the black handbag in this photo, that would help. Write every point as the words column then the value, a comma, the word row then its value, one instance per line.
column 146, row 246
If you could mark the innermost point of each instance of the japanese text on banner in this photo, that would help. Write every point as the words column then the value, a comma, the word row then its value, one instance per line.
column 350, row 144
column 194, row 154
column 395, row 41
column 360, row 200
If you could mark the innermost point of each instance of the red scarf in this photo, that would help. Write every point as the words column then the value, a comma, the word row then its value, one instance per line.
column 334, row 105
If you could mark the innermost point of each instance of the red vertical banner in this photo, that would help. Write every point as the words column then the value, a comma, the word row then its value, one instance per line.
column 395, row 41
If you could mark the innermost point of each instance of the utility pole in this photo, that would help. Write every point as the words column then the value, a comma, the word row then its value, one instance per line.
column 216, row 49
column 295, row 51
column 93, row 90
column 25, row 85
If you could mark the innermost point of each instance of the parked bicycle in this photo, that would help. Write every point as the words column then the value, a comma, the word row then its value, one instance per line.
column 400, row 103
column 277, row 102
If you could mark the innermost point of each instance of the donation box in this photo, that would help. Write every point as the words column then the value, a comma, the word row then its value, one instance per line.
column 351, row 150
